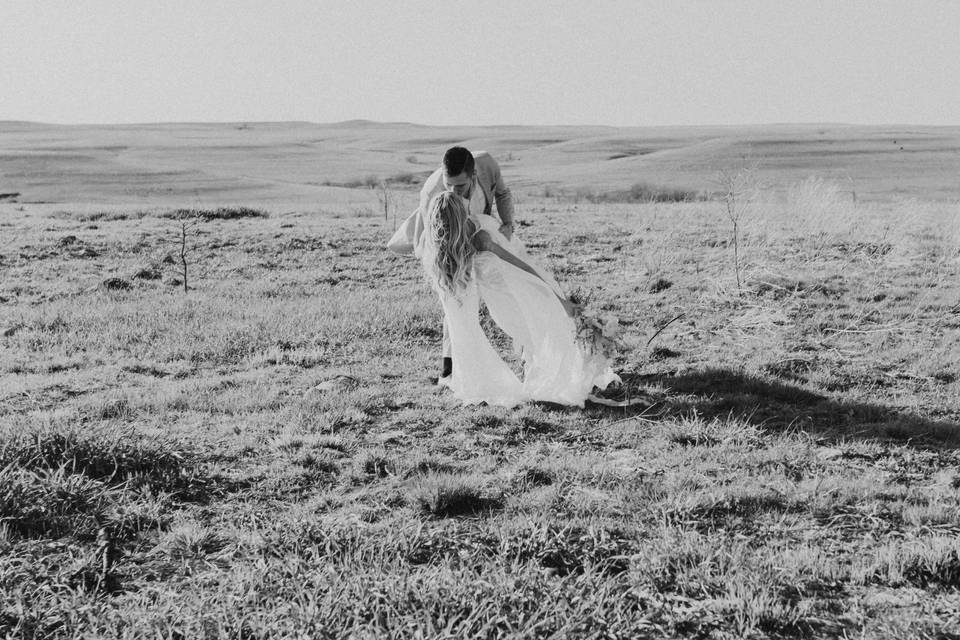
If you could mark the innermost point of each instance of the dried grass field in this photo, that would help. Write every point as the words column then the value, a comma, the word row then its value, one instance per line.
column 262, row 455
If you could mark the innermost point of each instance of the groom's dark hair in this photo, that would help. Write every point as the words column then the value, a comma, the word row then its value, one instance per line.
column 457, row 160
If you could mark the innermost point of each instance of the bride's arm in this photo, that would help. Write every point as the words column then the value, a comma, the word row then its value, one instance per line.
column 483, row 242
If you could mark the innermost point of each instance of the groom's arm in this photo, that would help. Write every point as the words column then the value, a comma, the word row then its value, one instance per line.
column 502, row 196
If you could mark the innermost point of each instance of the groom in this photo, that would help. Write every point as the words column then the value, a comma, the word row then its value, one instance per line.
column 477, row 179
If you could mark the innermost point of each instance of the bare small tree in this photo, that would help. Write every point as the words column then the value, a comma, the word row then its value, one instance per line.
column 386, row 198
column 187, row 222
column 738, row 190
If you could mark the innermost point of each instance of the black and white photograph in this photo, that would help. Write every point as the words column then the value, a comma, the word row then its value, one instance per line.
column 613, row 320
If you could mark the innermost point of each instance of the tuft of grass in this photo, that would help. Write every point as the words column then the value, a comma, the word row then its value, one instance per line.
column 737, row 506
column 697, row 432
column 932, row 562
column 444, row 495
column 53, row 502
column 101, row 453
column 375, row 464
column 535, row 476
column 426, row 464
column 565, row 549
column 190, row 540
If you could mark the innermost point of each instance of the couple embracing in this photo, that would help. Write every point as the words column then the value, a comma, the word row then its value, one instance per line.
column 469, row 255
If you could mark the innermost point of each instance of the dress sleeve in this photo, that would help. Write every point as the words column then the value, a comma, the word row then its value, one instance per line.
column 431, row 187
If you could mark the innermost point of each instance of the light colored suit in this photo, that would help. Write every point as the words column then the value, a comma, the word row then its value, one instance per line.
column 494, row 190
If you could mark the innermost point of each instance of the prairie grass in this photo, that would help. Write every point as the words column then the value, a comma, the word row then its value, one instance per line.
column 265, row 456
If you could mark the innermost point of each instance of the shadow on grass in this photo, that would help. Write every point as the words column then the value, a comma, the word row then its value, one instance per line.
column 777, row 405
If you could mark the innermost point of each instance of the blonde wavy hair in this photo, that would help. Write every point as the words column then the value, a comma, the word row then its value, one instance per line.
column 451, row 264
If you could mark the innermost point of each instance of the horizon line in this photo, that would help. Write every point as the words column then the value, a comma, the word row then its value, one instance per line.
column 368, row 122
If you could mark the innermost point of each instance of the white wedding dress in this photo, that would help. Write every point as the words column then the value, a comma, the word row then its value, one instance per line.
column 555, row 367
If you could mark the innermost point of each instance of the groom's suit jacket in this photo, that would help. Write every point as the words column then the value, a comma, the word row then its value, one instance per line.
column 490, row 181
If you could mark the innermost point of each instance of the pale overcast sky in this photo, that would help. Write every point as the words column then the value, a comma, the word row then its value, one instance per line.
column 616, row 62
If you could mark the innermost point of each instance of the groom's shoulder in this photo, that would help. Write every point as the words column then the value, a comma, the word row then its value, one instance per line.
column 485, row 161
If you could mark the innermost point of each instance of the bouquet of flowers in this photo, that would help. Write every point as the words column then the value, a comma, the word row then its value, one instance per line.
column 595, row 333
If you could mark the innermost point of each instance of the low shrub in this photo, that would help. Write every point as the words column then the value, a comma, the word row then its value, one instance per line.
column 220, row 213
column 639, row 192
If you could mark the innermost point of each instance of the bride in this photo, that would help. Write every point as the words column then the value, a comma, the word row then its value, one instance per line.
column 466, row 260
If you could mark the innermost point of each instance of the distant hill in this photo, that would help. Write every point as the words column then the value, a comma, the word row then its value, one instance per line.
column 304, row 162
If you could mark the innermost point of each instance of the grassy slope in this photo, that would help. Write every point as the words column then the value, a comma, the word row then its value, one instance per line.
column 263, row 456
